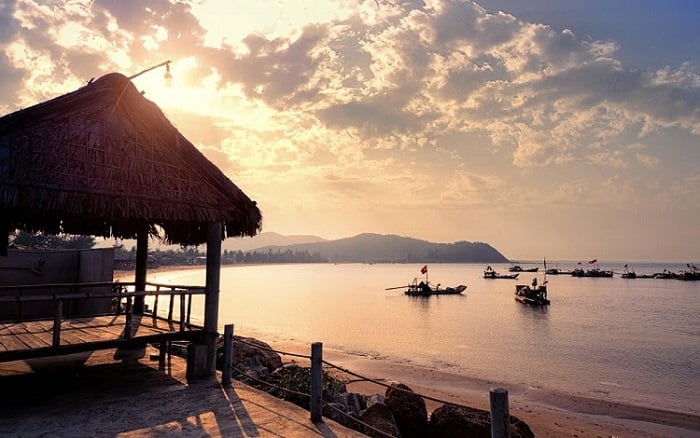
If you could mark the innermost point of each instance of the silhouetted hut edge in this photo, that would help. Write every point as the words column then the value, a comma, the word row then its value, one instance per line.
column 105, row 161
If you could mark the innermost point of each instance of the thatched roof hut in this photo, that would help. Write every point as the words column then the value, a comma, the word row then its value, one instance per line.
column 105, row 161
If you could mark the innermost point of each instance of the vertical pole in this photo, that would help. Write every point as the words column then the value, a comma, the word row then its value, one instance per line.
column 162, row 349
column 228, row 350
column 141, row 269
column 211, row 299
column 500, row 418
column 316, row 382
column 57, row 323
column 5, row 230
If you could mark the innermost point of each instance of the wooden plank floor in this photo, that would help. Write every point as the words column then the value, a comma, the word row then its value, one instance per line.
column 39, row 334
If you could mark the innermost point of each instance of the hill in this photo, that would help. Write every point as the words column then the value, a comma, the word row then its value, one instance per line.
column 267, row 239
column 377, row 248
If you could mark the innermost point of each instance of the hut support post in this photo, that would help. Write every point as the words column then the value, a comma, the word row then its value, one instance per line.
column 141, row 269
column 5, row 230
column 206, row 367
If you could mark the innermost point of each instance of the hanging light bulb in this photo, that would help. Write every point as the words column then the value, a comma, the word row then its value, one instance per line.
column 168, row 77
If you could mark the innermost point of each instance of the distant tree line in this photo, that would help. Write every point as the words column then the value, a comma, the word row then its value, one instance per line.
column 22, row 239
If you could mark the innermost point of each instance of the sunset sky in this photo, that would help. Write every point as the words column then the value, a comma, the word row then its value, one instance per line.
column 546, row 128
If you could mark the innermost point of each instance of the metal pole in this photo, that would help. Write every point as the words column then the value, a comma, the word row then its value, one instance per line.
column 228, row 350
column 500, row 418
column 316, row 382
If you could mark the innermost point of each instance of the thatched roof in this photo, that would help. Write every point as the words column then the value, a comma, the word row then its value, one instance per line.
column 104, row 161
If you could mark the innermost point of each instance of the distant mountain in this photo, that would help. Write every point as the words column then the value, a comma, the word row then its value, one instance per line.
column 267, row 239
column 377, row 248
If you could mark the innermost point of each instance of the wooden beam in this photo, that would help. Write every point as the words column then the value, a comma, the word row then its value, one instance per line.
column 141, row 268
column 211, row 300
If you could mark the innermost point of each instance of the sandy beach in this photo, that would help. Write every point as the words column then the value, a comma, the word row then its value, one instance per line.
column 548, row 413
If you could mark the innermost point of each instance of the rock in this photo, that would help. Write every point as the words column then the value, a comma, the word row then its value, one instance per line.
column 249, row 354
column 337, row 412
column 450, row 421
column 409, row 410
column 380, row 417
column 376, row 398
column 352, row 402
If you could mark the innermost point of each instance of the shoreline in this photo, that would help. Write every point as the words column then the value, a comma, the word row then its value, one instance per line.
column 549, row 413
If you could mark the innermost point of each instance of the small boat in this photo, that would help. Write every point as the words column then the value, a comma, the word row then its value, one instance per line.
column 595, row 272
column 425, row 289
column 532, row 295
column 557, row 271
column 518, row 268
column 628, row 273
column 491, row 274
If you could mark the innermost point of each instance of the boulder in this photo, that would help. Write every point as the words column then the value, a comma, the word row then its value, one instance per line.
column 352, row 402
column 379, row 417
column 249, row 354
column 449, row 421
column 409, row 410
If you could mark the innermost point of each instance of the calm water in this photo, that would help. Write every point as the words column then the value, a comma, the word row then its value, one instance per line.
column 635, row 341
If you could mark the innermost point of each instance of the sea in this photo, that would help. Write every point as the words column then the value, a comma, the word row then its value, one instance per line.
column 633, row 341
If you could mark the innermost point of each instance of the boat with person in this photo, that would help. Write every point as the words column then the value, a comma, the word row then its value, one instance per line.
column 424, row 288
column 491, row 274
column 532, row 294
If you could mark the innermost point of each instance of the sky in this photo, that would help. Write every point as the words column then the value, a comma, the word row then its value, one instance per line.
column 546, row 128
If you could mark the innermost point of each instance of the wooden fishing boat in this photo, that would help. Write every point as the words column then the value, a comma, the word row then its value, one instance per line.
column 489, row 273
column 424, row 289
column 532, row 295
column 518, row 268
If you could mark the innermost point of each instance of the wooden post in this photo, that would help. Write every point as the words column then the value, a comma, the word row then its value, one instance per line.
column 211, row 300
column 57, row 323
column 316, row 382
column 5, row 230
column 228, row 351
column 141, row 269
column 182, row 313
column 500, row 418
column 162, row 349
column 127, row 318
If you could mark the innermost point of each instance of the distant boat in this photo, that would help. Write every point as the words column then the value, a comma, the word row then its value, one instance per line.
column 518, row 268
column 557, row 271
column 595, row 272
column 491, row 274
column 628, row 273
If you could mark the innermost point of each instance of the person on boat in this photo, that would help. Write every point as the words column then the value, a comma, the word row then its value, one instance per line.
column 423, row 286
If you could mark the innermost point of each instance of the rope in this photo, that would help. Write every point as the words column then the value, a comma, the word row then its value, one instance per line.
column 357, row 420
column 271, row 385
column 386, row 385
column 360, row 377
column 274, row 351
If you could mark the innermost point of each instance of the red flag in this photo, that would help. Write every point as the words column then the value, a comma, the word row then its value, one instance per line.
column 424, row 269
column 590, row 262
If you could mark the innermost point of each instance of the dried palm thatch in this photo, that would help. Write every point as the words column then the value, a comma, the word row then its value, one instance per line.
column 104, row 161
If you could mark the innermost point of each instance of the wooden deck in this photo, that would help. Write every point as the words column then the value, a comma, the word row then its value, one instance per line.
column 20, row 339
column 31, row 339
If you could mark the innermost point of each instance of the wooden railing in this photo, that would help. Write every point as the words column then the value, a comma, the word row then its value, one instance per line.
column 122, row 295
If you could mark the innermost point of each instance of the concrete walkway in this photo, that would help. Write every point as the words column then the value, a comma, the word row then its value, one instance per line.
column 108, row 398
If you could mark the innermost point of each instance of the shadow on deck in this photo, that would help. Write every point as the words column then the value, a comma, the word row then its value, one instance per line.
column 104, row 397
